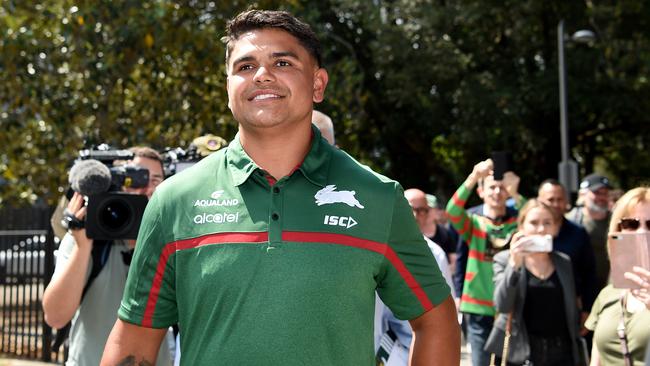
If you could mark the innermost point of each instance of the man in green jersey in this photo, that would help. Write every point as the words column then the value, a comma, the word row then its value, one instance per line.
column 269, row 252
column 484, row 231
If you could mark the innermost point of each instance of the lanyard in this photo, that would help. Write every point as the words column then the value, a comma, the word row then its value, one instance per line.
column 620, row 330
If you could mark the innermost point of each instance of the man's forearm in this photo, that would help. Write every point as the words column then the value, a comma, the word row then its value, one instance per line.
column 130, row 344
column 436, row 337
column 62, row 296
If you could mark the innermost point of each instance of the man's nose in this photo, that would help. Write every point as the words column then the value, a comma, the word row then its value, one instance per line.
column 263, row 74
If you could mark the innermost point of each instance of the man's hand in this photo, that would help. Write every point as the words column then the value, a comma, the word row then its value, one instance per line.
column 130, row 344
column 77, row 208
column 436, row 337
column 480, row 171
column 511, row 182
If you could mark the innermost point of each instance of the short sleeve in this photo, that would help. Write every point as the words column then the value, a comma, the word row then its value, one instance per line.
column 412, row 283
column 592, row 319
column 149, row 297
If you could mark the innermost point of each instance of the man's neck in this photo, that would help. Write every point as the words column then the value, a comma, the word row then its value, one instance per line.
column 277, row 150
column 494, row 212
column 429, row 230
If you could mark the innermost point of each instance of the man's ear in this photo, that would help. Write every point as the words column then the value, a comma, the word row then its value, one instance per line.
column 320, row 83
column 228, row 91
column 479, row 190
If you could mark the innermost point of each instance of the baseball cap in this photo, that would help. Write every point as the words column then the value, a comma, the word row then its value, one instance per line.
column 207, row 144
column 594, row 182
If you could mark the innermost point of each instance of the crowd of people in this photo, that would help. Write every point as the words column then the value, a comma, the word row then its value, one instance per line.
column 281, row 249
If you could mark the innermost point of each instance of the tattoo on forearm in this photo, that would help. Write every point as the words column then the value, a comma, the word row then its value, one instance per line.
column 130, row 361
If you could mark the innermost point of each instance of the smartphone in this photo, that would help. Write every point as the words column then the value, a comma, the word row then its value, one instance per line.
column 627, row 250
column 502, row 163
column 538, row 244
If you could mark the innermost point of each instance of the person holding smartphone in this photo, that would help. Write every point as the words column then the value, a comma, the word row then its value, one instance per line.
column 620, row 317
column 534, row 286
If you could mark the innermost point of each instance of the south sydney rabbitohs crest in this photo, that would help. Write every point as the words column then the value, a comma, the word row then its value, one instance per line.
column 329, row 195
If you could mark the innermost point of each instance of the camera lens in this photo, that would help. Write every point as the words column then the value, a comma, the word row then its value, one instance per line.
column 115, row 215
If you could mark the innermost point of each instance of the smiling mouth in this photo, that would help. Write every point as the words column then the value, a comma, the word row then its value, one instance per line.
column 266, row 97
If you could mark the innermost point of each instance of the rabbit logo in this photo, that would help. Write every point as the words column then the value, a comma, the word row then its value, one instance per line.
column 329, row 195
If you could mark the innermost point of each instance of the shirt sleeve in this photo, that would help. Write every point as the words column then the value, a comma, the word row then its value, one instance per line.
column 149, row 297
column 592, row 319
column 412, row 283
column 458, row 216
column 63, row 255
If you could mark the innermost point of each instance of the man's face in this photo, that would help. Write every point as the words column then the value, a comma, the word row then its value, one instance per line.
column 493, row 192
column 156, row 175
column 597, row 200
column 272, row 80
column 554, row 197
column 420, row 207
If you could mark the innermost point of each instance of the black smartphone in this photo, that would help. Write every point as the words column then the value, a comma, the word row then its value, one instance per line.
column 502, row 163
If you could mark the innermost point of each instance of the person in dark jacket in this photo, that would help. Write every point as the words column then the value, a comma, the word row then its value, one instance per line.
column 536, row 286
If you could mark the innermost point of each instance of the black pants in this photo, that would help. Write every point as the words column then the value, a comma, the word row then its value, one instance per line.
column 552, row 351
column 548, row 351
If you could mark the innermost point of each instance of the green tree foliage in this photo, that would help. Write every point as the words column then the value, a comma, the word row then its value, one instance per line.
column 419, row 89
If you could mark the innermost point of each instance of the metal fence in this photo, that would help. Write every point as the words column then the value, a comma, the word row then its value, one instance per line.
column 26, row 265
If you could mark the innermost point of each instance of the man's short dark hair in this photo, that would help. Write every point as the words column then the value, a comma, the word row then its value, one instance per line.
column 553, row 182
column 251, row 20
column 147, row 152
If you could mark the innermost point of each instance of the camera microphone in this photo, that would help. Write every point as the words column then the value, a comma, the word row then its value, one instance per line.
column 89, row 177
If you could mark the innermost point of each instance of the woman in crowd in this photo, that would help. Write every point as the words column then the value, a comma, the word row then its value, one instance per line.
column 537, row 289
column 620, row 313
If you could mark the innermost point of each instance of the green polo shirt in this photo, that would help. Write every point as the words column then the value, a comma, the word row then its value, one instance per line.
column 283, row 274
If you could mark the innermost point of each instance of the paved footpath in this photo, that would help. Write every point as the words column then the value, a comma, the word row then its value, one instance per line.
column 464, row 360
column 15, row 362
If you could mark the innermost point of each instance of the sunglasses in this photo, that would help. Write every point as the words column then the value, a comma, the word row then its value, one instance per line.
column 420, row 210
column 632, row 224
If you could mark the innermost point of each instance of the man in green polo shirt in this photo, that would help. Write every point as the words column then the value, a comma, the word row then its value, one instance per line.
column 269, row 252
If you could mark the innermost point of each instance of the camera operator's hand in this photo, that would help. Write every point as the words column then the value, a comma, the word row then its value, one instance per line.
column 77, row 208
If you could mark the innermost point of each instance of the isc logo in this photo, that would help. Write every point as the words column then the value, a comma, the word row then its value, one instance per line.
column 344, row 221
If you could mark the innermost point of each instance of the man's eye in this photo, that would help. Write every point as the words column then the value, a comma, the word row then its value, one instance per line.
column 245, row 67
column 283, row 63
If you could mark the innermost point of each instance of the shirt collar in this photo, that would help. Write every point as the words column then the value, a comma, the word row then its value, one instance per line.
column 314, row 167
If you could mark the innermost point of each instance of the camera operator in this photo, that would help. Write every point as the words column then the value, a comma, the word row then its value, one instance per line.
column 94, row 313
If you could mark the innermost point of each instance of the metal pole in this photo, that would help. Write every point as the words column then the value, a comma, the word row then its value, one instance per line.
column 564, row 123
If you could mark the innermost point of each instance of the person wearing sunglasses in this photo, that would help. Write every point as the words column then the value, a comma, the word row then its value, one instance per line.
column 535, row 293
column 620, row 318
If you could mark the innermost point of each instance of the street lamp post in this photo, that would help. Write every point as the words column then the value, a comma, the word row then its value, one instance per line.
column 568, row 168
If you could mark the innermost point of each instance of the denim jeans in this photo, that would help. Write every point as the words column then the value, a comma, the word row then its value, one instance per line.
column 478, row 330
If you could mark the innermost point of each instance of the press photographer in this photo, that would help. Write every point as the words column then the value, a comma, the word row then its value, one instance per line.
column 90, row 274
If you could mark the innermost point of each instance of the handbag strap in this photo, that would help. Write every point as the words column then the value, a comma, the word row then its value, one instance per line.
column 506, row 344
column 620, row 330
column 506, row 340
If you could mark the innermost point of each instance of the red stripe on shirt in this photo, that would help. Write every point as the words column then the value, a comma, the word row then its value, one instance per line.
column 472, row 300
column 169, row 249
column 381, row 248
column 473, row 253
column 457, row 201
column 469, row 276
column 477, row 232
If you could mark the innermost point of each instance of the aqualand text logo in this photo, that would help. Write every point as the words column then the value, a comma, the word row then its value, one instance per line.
column 330, row 195
column 214, row 201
